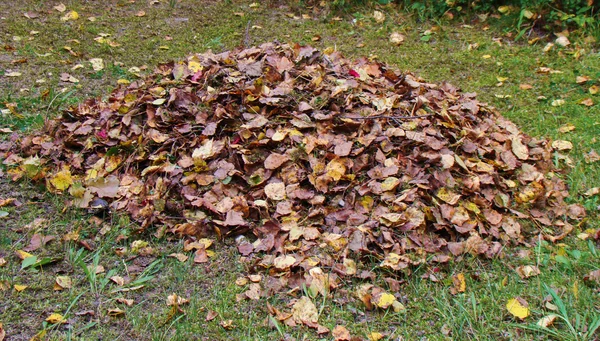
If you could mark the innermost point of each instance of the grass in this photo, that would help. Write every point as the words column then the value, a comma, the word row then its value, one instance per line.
column 462, row 53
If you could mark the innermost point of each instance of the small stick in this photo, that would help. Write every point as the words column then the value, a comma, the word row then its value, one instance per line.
column 247, row 36
column 383, row 116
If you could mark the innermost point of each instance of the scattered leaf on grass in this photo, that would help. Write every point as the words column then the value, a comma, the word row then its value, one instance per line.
column 396, row 38
column 518, row 307
column 562, row 145
column 547, row 321
column 176, row 300
column 588, row 102
column 458, row 284
column 71, row 15
column 63, row 282
column 379, row 17
column 211, row 315
column 56, row 318
column 115, row 312
column 340, row 333
column 526, row 271
column 20, row 287
column 565, row 128
column 127, row 302
column 594, row 89
column 227, row 324
column 375, row 336
column 304, row 311
column 60, row 7
column 179, row 256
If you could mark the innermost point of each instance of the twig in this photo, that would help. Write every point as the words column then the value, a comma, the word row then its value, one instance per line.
column 247, row 36
column 384, row 116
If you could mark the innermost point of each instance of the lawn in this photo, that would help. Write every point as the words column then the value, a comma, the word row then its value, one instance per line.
column 106, row 281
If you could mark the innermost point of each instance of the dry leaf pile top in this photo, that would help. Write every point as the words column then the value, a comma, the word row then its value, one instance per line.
column 323, row 159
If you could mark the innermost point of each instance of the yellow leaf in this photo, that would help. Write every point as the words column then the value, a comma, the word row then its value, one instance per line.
column 194, row 66
column 389, row 184
column 375, row 336
column 19, row 287
column 459, row 283
column 517, row 309
column 335, row 169
column 56, row 318
column 304, row 311
column 594, row 89
column 72, row 15
column 284, row 262
column 62, row 180
column 22, row 254
column 385, row 300
column 504, row 9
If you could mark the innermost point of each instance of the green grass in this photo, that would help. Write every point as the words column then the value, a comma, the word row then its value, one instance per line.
column 432, row 312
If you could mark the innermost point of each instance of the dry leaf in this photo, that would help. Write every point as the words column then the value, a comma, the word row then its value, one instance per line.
column 340, row 333
column 547, row 321
column 396, row 38
column 526, row 271
column 304, row 311
column 55, row 318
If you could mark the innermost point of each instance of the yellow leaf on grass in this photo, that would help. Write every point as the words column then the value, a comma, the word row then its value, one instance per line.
column 385, row 300
column 56, row 318
column 72, row 15
column 62, row 180
column 594, row 89
column 517, row 309
column 63, row 282
column 22, row 254
column 375, row 336
column 19, row 287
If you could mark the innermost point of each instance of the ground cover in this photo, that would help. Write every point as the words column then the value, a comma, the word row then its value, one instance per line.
column 475, row 59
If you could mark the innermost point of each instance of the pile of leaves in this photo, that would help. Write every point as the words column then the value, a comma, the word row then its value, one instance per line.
column 321, row 162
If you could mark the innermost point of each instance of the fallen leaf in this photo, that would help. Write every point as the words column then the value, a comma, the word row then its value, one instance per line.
column 383, row 300
column 275, row 191
column 396, row 38
column 56, row 318
column 63, row 282
column 588, row 102
column 517, row 307
column 565, row 128
column 176, row 300
column 562, row 41
column 71, row 15
column 379, row 17
column 562, row 145
column 458, row 284
column 340, row 333
column 115, row 312
column 594, row 89
column 547, row 321
column 97, row 64
column 526, row 271
column 304, row 311
column 19, row 287
column 60, row 7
